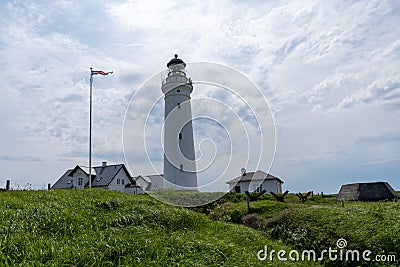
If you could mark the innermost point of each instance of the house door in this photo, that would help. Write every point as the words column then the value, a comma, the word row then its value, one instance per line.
column 237, row 189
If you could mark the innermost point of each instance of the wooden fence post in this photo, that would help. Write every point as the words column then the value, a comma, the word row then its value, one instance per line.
column 8, row 185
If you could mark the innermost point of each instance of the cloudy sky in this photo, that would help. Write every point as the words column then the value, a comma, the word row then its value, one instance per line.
column 330, row 71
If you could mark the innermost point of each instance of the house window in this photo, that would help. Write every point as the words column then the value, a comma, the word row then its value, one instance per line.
column 180, row 135
column 178, row 90
column 123, row 181
column 80, row 181
column 181, row 167
column 259, row 189
column 118, row 181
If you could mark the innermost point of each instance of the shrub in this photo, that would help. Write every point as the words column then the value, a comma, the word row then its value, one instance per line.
column 228, row 213
column 252, row 220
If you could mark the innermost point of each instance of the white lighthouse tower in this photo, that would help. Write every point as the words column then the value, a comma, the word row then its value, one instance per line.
column 179, row 156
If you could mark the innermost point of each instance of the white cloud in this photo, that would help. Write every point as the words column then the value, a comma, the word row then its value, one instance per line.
column 329, row 70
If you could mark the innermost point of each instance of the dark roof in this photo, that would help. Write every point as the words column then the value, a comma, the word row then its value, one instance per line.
column 175, row 61
column 254, row 176
column 374, row 191
column 104, row 175
column 63, row 181
column 156, row 181
column 101, row 176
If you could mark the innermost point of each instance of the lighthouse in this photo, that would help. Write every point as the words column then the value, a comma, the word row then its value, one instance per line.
column 179, row 155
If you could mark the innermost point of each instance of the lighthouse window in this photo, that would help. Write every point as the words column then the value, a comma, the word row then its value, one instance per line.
column 178, row 90
column 180, row 135
column 179, row 105
column 181, row 167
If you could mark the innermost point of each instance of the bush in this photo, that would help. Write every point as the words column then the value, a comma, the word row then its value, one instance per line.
column 252, row 220
column 228, row 213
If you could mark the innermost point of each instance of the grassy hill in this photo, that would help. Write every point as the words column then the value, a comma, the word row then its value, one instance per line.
column 104, row 228
column 319, row 223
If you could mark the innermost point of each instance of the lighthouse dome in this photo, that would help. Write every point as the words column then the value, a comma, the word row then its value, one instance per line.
column 175, row 61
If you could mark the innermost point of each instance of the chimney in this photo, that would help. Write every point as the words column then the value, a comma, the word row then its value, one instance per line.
column 104, row 164
column 243, row 171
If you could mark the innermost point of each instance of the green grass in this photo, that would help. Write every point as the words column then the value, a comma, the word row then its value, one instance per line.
column 373, row 226
column 104, row 228
column 232, row 207
column 317, row 224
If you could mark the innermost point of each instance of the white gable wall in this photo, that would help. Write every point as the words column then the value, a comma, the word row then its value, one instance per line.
column 75, row 179
column 123, row 181
column 272, row 185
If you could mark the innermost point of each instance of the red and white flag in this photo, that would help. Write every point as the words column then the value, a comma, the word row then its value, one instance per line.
column 95, row 72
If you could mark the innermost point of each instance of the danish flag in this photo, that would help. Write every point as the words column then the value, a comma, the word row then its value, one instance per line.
column 95, row 72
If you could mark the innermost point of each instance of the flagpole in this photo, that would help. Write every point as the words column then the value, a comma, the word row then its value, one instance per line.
column 92, row 72
column 90, row 129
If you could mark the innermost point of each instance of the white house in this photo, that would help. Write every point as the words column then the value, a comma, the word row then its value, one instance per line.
column 111, row 177
column 255, row 182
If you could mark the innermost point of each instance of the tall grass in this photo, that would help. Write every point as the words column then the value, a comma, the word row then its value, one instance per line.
column 319, row 223
column 104, row 228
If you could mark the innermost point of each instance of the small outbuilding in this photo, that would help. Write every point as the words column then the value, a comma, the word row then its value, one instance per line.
column 150, row 183
column 255, row 182
column 375, row 191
